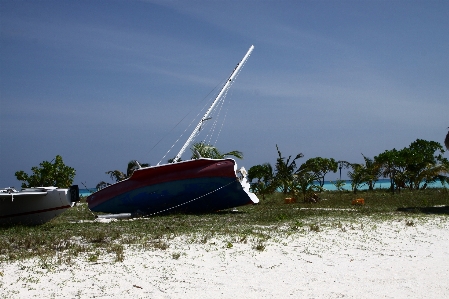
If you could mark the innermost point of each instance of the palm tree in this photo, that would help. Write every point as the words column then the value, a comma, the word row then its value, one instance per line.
column 102, row 185
column 372, row 171
column 118, row 176
column 285, row 170
column 204, row 150
column 265, row 179
column 303, row 183
column 356, row 176
column 430, row 174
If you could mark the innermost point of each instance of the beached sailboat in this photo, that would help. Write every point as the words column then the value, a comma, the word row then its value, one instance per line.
column 193, row 186
column 32, row 206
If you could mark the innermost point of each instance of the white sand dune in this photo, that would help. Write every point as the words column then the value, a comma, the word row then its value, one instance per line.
column 363, row 259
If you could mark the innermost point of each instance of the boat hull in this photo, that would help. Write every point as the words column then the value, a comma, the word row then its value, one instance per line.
column 196, row 186
column 35, row 206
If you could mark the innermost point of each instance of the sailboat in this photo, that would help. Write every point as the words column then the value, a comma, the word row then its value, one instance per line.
column 193, row 186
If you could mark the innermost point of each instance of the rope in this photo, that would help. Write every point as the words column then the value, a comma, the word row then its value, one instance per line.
column 192, row 200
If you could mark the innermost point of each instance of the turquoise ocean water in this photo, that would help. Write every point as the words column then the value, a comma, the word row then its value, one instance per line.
column 328, row 185
column 380, row 184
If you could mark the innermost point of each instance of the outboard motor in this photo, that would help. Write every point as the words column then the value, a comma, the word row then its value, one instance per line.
column 74, row 193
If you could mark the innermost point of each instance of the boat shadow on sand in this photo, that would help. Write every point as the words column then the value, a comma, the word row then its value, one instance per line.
column 426, row 210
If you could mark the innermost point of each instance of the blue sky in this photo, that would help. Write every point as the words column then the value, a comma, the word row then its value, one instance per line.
column 101, row 82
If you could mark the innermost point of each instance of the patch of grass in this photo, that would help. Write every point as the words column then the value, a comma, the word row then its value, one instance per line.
column 118, row 250
column 259, row 246
column 159, row 244
column 315, row 228
column 93, row 257
column 410, row 223
column 176, row 255
column 74, row 232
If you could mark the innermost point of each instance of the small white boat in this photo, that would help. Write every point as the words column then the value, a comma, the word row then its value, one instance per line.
column 31, row 206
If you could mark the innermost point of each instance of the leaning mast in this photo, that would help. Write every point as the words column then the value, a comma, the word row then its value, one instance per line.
column 217, row 99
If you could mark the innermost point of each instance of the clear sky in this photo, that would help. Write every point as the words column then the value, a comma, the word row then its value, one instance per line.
column 101, row 82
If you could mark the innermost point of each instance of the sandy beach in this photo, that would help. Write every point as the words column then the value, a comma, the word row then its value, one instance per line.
column 369, row 258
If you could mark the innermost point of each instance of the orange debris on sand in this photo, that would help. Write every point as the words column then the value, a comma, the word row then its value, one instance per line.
column 290, row 200
column 358, row 201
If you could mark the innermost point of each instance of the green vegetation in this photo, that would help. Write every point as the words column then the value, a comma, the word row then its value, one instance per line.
column 118, row 176
column 284, row 178
column 413, row 167
column 76, row 234
column 204, row 150
column 55, row 174
column 317, row 168
column 265, row 176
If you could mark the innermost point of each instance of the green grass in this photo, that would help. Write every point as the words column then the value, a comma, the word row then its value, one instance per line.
column 74, row 233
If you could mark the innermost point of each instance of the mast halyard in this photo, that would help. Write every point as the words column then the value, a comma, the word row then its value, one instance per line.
column 217, row 99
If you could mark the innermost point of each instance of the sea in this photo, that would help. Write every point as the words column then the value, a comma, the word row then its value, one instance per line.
column 328, row 185
column 380, row 184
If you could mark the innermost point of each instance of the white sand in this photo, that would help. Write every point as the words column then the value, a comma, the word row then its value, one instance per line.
column 364, row 259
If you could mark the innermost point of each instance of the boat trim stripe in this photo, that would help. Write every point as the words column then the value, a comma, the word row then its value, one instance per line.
column 36, row 212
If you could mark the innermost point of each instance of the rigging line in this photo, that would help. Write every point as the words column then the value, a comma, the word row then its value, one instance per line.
column 216, row 117
column 194, row 134
column 185, row 130
column 217, row 110
column 216, row 120
column 222, row 125
column 163, row 137
column 144, row 216
column 192, row 200
column 182, row 134
column 216, row 125
column 225, row 97
column 226, row 111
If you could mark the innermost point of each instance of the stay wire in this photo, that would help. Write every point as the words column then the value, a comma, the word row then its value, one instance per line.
column 174, row 127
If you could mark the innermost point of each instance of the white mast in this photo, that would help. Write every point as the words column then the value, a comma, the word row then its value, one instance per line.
column 217, row 99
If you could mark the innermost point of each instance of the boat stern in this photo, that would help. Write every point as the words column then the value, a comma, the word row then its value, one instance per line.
column 74, row 193
column 242, row 175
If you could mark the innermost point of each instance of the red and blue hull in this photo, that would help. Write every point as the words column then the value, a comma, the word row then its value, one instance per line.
column 195, row 186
